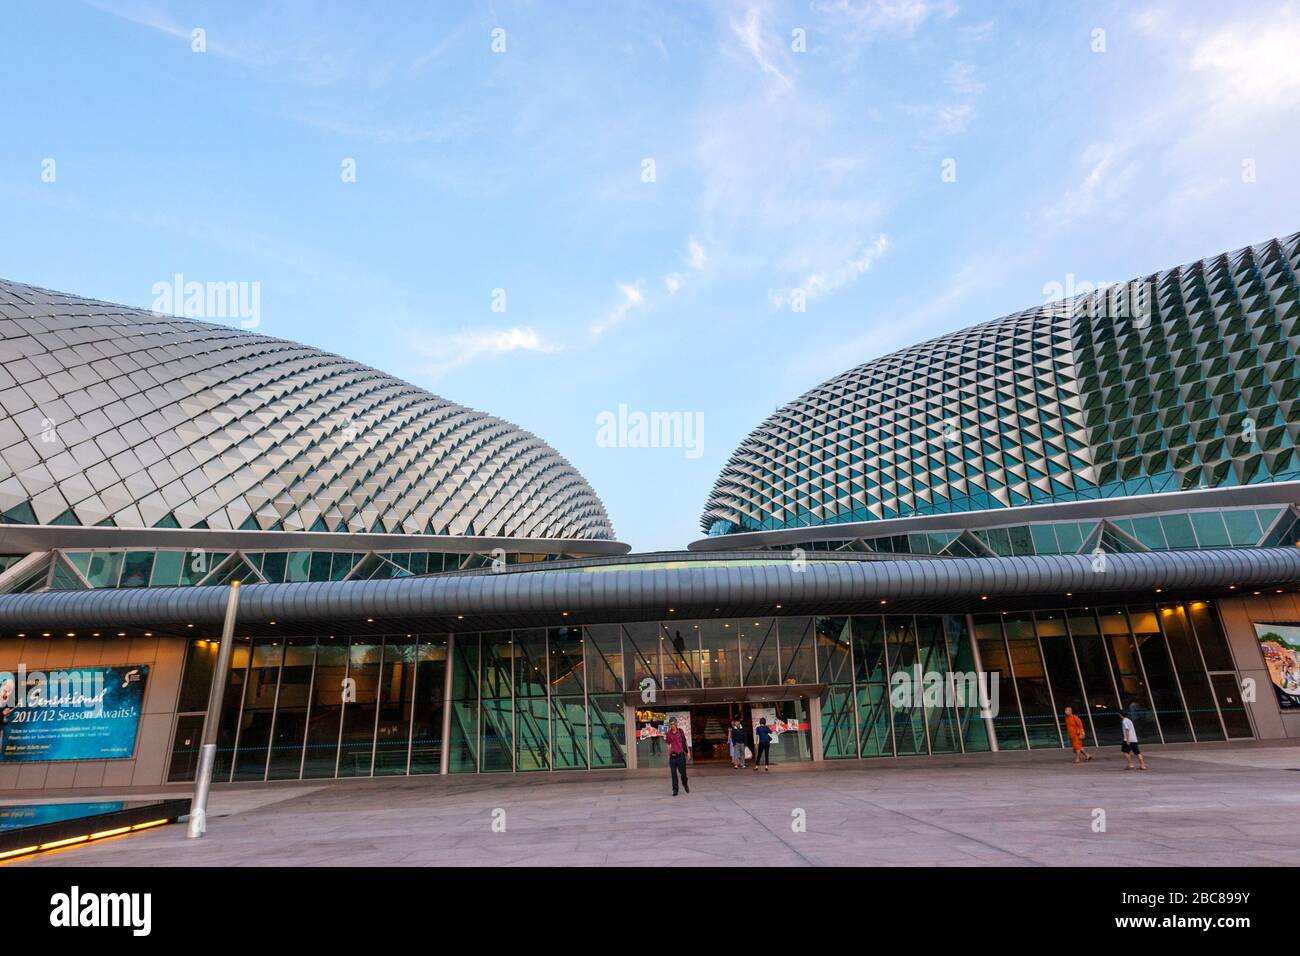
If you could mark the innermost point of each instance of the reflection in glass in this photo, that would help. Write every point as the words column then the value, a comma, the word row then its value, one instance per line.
column 679, row 651
column 565, row 668
column 993, row 656
column 720, row 653
column 834, row 650
column 798, row 663
column 905, row 686
column 259, row 709
column 320, row 758
column 530, row 663
column 641, row 654
column 1062, row 671
column 1214, row 646
column 604, row 661
column 1036, row 704
column 231, row 701
column 974, row 729
column 1159, row 669
column 185, row 748
column 291, row 709
column 463, row 745
column 651, row 725
column 196, row 681
column 758, row 657
column 939, row 697
column 396, row 694
column 426, row 718
column 496, row 745
column 569, row 733
column 357, row 745
column 1094, row 668
column 608, row 732
column 1128, row 672
column 1191, row 672
column 532, row 733
column 839, row 736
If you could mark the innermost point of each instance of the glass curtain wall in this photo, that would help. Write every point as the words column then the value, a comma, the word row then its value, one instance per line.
column 553, row 698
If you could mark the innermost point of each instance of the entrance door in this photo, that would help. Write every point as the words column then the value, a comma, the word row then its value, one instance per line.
column 1231, row 706
column 791, row 740
column 709, row 727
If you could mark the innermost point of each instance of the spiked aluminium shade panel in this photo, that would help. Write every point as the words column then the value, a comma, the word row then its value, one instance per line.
column 118, row 416
column 1185, row 379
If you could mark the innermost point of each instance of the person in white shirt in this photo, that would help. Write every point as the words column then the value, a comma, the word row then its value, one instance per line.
column 1130, row 746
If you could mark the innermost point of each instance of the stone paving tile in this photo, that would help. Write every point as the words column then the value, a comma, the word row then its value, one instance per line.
column 1206, row 808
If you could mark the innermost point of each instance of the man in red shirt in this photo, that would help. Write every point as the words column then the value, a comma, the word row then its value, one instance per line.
column 677, row 751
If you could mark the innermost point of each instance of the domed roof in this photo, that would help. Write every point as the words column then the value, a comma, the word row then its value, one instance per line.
column 1188, row 378
column 113, row 415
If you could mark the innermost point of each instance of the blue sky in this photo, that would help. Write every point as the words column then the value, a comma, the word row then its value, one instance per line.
column 1168, row 136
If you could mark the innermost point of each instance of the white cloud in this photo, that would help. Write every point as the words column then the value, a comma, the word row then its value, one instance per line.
column 828, row 282
column 1108, row 172
column 446, row 352
column 961, row 79
column 1251, row 67
column 750, row 32
column 695, row 259
column 695, row 255
column 630, row 297
column 899, row 17
column 946, row 119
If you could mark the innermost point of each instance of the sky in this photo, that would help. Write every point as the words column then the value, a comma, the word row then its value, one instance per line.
column 551, row 210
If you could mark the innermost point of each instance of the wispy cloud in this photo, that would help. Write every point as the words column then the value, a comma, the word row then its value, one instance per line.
column 442, row 353
column 695, row 261
column 943, row 119
column 749, row 30
column 630, row 298
column 404, row 134
column 872, row 18
column 821, row 284
column 961, row 79
column 1252, row 67
column 1106, row 171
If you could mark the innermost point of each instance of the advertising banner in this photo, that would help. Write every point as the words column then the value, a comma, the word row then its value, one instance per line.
column 78, row 713
column 1280, row 644
column 778, row 725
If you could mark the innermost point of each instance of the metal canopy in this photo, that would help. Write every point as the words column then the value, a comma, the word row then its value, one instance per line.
column 536, row 597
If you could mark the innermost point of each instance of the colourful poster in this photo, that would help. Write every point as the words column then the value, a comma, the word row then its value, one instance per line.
column 80, row 713
column 1280, row 644
column 776, row 724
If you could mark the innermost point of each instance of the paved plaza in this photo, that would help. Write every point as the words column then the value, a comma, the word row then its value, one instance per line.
column 1225, row 805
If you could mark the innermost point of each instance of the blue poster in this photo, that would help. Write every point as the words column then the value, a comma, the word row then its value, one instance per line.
column 76, row 713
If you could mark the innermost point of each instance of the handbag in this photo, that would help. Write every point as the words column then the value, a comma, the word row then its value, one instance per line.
column 749, row 754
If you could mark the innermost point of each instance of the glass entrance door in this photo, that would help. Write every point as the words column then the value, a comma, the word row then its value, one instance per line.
column 1231, row 706
column 709, row 727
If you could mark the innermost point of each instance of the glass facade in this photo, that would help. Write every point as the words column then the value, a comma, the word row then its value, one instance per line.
column 543, row 699
column 176, row 568
column 1182, row 380
column 1169, row 531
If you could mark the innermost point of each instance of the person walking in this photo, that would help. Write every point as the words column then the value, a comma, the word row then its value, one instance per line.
column 763, row 737
column 1074, row 727
column 677, row 751
column 1130, row 746
column 737, row 744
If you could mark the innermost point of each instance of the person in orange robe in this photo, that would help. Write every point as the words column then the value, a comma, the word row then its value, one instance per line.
column 1074, row 727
